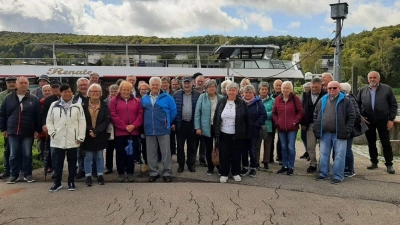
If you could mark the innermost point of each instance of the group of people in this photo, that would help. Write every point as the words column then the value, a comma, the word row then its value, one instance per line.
column 157, row 119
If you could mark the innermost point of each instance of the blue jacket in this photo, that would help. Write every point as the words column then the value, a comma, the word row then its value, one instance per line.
column 257, row 115
column 202, row 117
column 158, row 118
column 17, row 122
column 178, row 97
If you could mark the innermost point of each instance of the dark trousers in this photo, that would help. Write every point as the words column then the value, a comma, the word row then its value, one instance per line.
column 110, row 154
column 138, row 152
column 172, row 142
column 383, row 133
column 278, row 147
column 250, row 150
column 59, row 157
column 48, row 155
column 229, row 154
column 209, row 144
column 303, row 136
column 199, row 144
column 125, row 162
column 6, row 156
column 186, row 134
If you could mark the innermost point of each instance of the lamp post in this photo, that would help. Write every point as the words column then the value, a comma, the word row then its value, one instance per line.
column 339, row 12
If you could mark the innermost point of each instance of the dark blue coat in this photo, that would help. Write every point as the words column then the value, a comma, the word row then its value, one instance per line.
column 17, row 122
column 178, row 97
column 257, row 115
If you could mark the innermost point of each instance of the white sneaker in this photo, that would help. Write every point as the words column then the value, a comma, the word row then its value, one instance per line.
column 237, row 178
column 223, row 179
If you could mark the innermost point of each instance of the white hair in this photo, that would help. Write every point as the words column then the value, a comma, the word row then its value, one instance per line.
column 308, row 84
column 81, row 79
column 232, row 85
column 374, row 72
column 248, row 88
column 328, row 74
column 130, row 76
column 92, row 86
column 346, row 87
column 287, row 83
column 45, row 86
column 152, row 79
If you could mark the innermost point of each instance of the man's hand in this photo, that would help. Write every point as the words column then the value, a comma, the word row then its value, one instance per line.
column 389, row 125
column 198, row 132
column 365, row 119
column 92, row 134
column 173, row 127
column 44, row 128
column 35, row 135
column 5, row 134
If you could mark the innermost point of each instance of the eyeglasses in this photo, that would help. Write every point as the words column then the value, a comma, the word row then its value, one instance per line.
column 11, row 82
column 332, row 88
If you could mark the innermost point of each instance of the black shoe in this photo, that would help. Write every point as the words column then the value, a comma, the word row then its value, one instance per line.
column 167, row 179
column 180, row 169
column 266, row 167
column 336, row 181
column 308, row 158
column 192, row 169
column 390, row 170
column 372, row 166
column 100, row 180
column 13, row 180
column 252, row 173
column 88, row 181
column 210, row 172
column 280, row 163
column 55, row 187
column 203, row 164
column 271, row 161
column 80, row 174
column 318, row 178
column 153, row 178
column 71, row 186
column 4, row 175
column 139, row 161
column 243, row 172
column 282, row 170
column 108, row 171
column 304, row 156
column 94, row 174
column 311, row 169
column 290, row 172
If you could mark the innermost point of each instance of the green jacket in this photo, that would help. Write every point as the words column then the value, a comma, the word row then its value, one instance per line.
column 268, row 107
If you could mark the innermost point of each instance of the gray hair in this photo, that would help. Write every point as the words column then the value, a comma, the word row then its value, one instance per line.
column 113, row 87
column 232, row 85
column 224, row 84
column 130, row 76
column 263, row 84
column 374, row 72
column 92, row 86
column 287, row 83
column 152, row 79
column 346, row 87
column 244, row 80
column 209, row 83
column 45, row 86
column 308, row 84
column 81, row 79
column 329, row 74
column 316, row 80
column 248, row 88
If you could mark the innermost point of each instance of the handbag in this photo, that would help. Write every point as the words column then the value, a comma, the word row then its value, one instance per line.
column 359, row 128
column 215, row 154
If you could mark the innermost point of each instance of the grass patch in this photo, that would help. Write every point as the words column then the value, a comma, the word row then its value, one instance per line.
column 35, row 164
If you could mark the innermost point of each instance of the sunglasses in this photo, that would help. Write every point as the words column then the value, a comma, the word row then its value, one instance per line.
column 332, row 88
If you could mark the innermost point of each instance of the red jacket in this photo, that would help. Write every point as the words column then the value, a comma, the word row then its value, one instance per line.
column 287, row 115
column 124, row 113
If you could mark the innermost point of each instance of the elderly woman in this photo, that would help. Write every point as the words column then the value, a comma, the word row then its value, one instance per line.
column 268, row 102
column 97, row 118
column 231, row 121
column 46, row 90
column 349, row 161
column 203, row 119
column 113, row 91
column 257, row 118
column 144, row 88
column 287, row 113
column 223, row 86
column 127, row 116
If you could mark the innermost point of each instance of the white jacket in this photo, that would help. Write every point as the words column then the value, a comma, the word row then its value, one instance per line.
column 66, row 127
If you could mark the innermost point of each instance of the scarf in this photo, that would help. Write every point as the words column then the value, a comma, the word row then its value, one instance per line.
column 249, row 101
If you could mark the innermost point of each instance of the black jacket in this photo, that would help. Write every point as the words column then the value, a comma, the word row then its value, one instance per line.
column 17, row 120
column 242, row 120
column 103, row 120
column 46, row 106
column 309, row 107
column 385, row 103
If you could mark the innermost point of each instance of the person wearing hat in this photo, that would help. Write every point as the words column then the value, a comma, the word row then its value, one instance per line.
column 186, row 100
column 43, row 80
column 11, row 86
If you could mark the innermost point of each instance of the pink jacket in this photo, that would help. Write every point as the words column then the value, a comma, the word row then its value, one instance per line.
column 124, row 113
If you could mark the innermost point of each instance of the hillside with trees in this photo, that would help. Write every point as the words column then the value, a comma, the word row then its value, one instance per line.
column 378, row 49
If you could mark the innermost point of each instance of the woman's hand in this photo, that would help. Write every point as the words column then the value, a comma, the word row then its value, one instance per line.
column 198, row 132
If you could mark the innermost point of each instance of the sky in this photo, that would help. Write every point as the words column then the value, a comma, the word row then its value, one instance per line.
column 185, row 18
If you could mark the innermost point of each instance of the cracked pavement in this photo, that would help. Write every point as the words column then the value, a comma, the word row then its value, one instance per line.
column 371, row 197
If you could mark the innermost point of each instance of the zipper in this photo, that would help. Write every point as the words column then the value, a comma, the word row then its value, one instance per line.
column 152, row 115
column 19, row 121
column 285, row 116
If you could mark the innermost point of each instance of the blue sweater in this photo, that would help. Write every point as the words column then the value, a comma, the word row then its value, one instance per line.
column 158, row 117
column 202, row 117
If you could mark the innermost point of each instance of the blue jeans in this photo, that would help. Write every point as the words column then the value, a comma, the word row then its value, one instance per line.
column 328, row 141
column 99, row 159
column 20, row 149
column 349, row 163
column 288, row 143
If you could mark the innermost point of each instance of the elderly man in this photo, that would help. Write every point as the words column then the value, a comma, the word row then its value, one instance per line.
column 277, row 91
column 159, row 111
column 175, row 84
column 334, row 118
column 310, row 100
column 378, row 108
column 199, row 83
column 94, row 78
column 186, row 100
column 43, row 80
column 19, row 121
column 132, row 79
column 11, row 85
column 326, row 78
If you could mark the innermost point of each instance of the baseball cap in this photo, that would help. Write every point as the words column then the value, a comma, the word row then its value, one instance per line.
column 187, row 79
column 10, row 78
column 55, row 83
column 196, row 75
